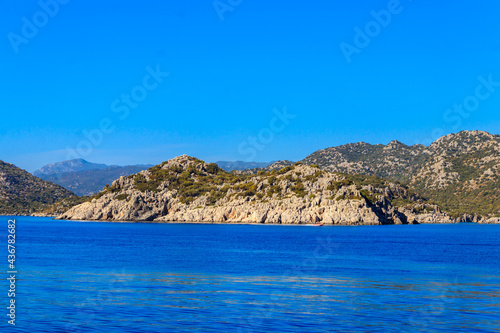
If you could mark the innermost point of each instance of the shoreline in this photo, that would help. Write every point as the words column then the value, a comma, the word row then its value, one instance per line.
column 54, row 218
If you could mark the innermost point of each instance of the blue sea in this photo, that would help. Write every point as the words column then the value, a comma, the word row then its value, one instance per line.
column 147, row 277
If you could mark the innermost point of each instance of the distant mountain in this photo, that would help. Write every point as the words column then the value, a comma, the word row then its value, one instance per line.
column 460, row 172
column 84, row 178
column 22, row 193
column 68, row 166
column 241, row 165
column 276, row 165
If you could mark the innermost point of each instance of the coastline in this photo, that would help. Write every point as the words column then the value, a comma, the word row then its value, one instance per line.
column 446, row 222
column 257, row 223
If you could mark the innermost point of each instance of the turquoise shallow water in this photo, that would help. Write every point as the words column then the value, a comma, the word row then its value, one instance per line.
column 143, row 277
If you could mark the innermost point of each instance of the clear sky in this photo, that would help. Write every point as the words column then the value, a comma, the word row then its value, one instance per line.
column 133, row 82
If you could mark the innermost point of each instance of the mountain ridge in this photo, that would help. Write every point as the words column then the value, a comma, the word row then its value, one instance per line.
column 74, row 165
column 451, row 171
column 85, row 178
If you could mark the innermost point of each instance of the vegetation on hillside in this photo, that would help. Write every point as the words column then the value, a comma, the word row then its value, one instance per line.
column 22, row 193
column 459, row 172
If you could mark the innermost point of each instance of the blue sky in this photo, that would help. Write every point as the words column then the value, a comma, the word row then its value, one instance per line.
column 142, row 82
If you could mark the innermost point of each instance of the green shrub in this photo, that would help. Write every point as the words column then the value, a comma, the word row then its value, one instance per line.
column 121, row 197
column 213, row 168
column 284, row 170
column 335, row 186
column 273, row 189
column 314, row 177
column 369, row 196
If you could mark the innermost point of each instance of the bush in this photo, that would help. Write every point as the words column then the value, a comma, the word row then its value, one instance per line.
column 369, row 197
column 314, row 177
column 271, row 180
column 273, row 189
column 299, row 189
column 284, row 170
column 213, row 168
column 335, row 186
column 121, row 196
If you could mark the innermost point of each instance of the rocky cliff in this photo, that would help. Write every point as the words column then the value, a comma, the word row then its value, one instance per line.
column 187, row 189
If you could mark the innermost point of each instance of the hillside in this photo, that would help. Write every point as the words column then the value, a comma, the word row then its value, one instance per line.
column 187, row 189
column 395, row 160
column 460, row 172
column 84, row 178
column 22, row 193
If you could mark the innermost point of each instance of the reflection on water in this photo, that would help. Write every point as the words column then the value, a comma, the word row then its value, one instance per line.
column 150, row 301
column 72, row 285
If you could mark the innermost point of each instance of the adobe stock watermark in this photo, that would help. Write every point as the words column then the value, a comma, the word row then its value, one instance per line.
column 460, row 111
column 30, row 28
column 254, row 144
column 363, row 37
column 122, row 107
column 426, row 316
column 300, row 275
column 223, row 6
column 92, row 306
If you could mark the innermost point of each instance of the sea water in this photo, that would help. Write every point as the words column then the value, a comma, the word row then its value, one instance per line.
column 147, row 277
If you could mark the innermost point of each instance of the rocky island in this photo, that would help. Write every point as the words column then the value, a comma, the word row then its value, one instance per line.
column 188, row 189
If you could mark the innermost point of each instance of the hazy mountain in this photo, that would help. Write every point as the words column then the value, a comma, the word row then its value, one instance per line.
column 22, row 193
column 276, row 165
column 85, row 178
column 68, row 166
column 241, row 165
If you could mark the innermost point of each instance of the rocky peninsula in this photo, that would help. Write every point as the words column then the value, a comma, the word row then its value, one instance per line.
column 186, row 189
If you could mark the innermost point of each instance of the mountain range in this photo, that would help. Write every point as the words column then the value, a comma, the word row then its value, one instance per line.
column 84, row 178
column 459, row 173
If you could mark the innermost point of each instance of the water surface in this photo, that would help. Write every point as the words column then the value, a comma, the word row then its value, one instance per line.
column 145, row 277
